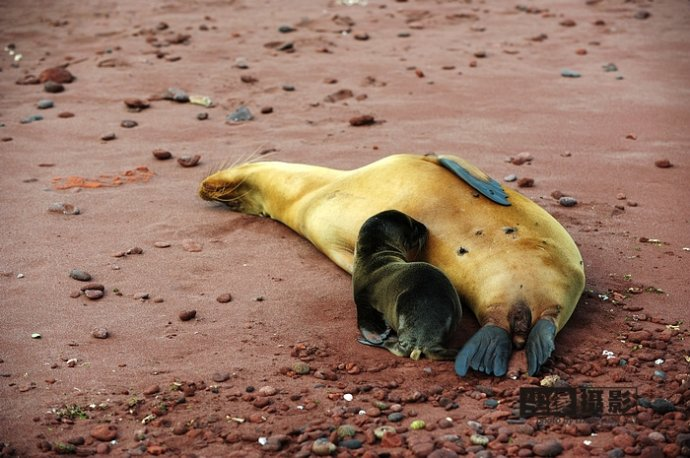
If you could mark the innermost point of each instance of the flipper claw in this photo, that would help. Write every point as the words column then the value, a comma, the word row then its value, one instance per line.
column 540, row 344
column 488, row 351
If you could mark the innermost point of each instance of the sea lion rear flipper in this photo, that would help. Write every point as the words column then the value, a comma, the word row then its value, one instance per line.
column 486, row 185
column 488, row 351
column 540, row 344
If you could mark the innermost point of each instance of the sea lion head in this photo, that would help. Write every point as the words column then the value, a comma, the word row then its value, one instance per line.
column 426, row 338
column 394, row 229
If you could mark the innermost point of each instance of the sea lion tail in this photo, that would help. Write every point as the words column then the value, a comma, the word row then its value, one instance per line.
column 520, row 319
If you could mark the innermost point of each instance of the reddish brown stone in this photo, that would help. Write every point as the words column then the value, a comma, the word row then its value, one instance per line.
column 57, row 75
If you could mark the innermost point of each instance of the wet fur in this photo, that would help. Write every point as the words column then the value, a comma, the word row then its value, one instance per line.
column 414, row 299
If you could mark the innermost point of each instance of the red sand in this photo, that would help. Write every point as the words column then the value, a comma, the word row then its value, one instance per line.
column 595, row 138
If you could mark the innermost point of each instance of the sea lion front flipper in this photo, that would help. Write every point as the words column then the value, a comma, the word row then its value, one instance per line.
column 488, row 351
column 540, row 344
column 486, row 185
column 374, row 339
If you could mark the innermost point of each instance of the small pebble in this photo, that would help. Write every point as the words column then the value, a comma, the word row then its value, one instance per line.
column 242, row 114
column 351, row 444
column 490, row 403
column 220, row 377
column 189, row 161
column 417, row 424
column 224, row 298
column 396, row 417
column 657, row 436
column 177, row 95
column 267, row 391
column 80, row 275
column 288, row 87
column 266, row 110
column 286, row 29
column 191, row 246
column 104, row 433
column 323, row 447
column 364, row 120
column 567, row 201
column 96, row 286
column 301, row 368
column 151, row 390
column 549, row 448
column 522, row 158
column 567, row 73
column 383, row 430
column 525, row 182
column 180, row 429
column 187, row 315
column 136, row 105
column 610, row 67
column 30, row 119
column 35, row 335
column 202, row 116
column 56, row 74
column 346, row 431
column 510, row 178
column 643, row 14
column 479, row 439
column 161, row 154
column 65, row 209
column 44, row 104
column 93, row 294
column 161, row 244
column 100, row 333
column 241, row 63
column 662, row 406
column 53, row 87
column 108, row 137
column 128, row 124
column 663, row 163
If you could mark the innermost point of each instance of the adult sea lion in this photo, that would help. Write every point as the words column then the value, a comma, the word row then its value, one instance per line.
column 514, row 265
column 414, row 299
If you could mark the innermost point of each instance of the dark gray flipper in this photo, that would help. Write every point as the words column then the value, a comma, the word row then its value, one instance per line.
column 489, row 188
column 374, row 339
column 488, row 351
column 540, row 344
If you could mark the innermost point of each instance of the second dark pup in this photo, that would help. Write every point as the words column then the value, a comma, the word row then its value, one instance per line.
column 413, row 299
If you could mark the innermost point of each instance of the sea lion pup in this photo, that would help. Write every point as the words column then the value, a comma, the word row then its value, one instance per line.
column 414, row 299
column 512, row 263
